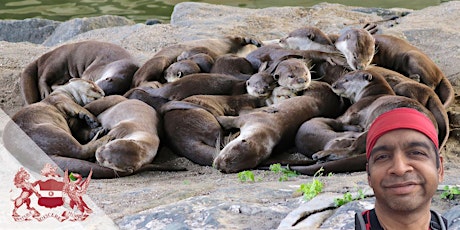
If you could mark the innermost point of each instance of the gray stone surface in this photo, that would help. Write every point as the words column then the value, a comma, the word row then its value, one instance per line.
column 32, row 30
column 71, row 28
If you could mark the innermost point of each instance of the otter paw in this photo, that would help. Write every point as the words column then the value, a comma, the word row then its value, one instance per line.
column 270, row 110
column 329, row 155
column 253, row 41
column 90, row 120
column 98, row 132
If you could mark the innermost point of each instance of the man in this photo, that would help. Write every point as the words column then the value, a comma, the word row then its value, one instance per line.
column 404, row 168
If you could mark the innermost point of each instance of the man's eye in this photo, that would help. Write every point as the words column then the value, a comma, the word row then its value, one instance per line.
column 417, row 153
column 381, row 157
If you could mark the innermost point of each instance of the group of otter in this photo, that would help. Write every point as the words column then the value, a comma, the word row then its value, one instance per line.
column 231, row 103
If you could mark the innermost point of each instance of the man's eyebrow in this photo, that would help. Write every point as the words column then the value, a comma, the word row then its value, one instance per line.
column 419, row 144
column 411, row 144
column 380, row 148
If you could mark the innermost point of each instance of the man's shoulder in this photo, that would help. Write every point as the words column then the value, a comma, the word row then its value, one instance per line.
column 368, row 220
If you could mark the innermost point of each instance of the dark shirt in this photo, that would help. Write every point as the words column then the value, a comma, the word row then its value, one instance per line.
column 371, row 221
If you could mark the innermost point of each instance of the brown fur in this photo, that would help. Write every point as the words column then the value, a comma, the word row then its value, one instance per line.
column 372, row 96
column 201, row 83
column 234, row 65
column 308, row 38
column 276, row 125
column 399, row 55
column 192, row 129
column 361, row 49
column 109, row 65
column 133, row 126
column 270, row 53
column 46, row 124
column 153, row 69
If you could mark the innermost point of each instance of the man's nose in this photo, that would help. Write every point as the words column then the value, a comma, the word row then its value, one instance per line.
column 401, row 164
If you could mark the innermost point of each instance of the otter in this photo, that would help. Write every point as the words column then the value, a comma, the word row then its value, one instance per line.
column 269, row 53
column 234, row 65
column 262, row 83
column 279, row 94
column 292, row 73
column 308, row 38
column 396, row 54
column 357, row 58
column 134, row 135
column 109, row 65
column 181, row 68
column 153, row 69
column 197, row 63
column 371, row 96
column 399, row 55
column 201, row 83
column 276, row 125
column 46, row 122
column 191, row 127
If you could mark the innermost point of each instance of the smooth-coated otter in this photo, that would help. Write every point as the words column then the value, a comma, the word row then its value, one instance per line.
column 107, row 64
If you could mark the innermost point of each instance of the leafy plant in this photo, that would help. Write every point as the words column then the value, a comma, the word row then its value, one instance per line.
column 285, row 172
column 450, row 192
column 347, row 197
column 246, row 176
column 312, row 189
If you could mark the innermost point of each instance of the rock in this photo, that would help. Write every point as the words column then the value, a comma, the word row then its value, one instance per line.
column 71, row 28
column 32, row 30
column 344, row 216
column 453, row 217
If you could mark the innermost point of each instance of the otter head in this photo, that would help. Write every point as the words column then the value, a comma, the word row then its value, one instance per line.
column 281, row 93
column 187, row 54
column 307, row 38
column 358, row 47
column 117, row 77
column 83, row 91
column 180, row 69
column 293, row 73
column 260, row 84
column 352, row 84
column 240, row 154
column 121, row 155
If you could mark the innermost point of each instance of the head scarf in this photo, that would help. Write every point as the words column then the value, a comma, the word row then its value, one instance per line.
column 400, row 118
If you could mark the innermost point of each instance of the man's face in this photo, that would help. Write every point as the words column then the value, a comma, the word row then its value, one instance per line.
column 402, row 170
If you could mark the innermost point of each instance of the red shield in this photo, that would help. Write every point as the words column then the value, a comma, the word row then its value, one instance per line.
column 51, row 193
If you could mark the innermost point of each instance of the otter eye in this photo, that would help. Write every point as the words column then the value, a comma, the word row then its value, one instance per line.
column 276, row 76
column 291, row 76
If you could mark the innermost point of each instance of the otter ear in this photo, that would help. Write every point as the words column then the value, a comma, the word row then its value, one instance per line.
column 247, row 83
column 367, row 77
column 276, row 76
column 179, row 74
column 311, row 36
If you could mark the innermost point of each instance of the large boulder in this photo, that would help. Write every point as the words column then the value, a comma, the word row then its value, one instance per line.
column 32, row 30
column 71, row 28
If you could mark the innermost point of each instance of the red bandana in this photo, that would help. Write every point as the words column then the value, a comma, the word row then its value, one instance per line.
column 400, row 118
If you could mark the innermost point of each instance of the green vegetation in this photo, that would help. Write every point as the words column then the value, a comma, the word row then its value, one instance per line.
column 246, row 176
column 450, row 192
column 284, row 172
column 347, row 197
column 312, row 189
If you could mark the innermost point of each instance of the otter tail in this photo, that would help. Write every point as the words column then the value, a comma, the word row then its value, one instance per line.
column 350, row 164
column 29, row 84
column 439, row 112
column 445, row 91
